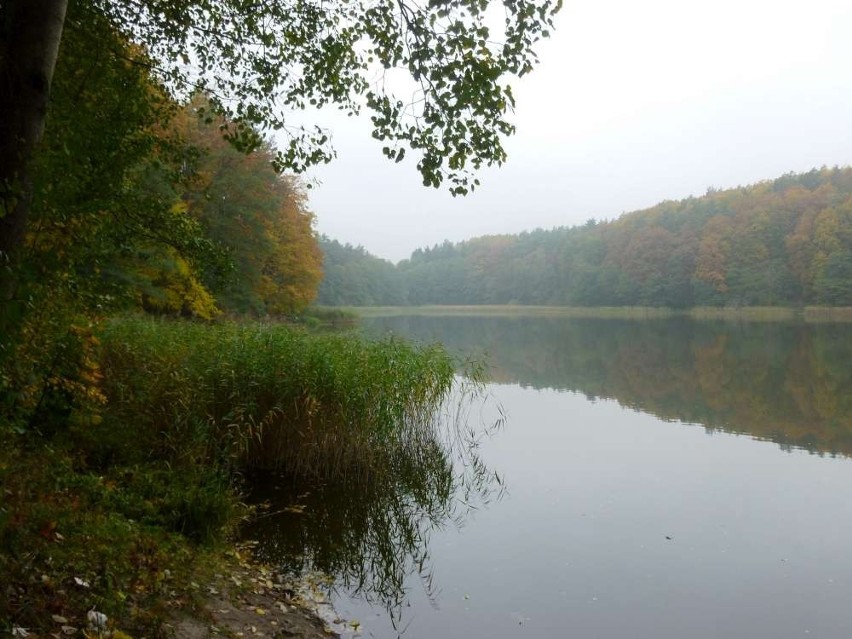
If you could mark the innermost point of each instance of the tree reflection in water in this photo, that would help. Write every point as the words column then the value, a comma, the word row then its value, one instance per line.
column 370, row 530
column 785, row 382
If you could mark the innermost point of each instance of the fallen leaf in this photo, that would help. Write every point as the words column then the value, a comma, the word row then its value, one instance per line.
column 97, row 620
column 59, row 619
column 295, row 508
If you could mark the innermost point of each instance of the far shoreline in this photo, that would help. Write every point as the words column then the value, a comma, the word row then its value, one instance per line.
column 809, row 314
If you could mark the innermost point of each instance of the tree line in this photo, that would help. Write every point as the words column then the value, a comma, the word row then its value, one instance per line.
column 782, row 242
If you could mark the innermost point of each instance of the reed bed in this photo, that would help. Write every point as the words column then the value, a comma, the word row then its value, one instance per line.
column 134, row 492
column 261, row 397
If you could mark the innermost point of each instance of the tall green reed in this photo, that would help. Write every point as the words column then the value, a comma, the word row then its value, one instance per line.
column 264, row 396
column 370, row 536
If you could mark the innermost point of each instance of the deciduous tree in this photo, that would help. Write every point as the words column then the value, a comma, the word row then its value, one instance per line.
column 261, row 60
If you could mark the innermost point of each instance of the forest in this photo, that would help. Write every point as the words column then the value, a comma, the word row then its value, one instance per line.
column 149, row 218
column 351, row 276
column 782, row 242
column 138, row 203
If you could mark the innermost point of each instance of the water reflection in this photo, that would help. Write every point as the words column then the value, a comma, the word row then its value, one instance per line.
column 783, row 382
column 371, row 533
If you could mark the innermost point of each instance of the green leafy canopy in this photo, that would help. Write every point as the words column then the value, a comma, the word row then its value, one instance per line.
column 262, row 60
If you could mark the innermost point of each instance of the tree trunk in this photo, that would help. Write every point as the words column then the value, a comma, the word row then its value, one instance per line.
column 30, row 32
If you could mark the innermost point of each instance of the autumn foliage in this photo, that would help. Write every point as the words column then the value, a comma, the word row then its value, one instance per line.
column 138, row 204
column 258, row 218
column 783, row 242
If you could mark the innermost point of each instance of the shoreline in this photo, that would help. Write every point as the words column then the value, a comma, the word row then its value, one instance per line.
column 807, row 314
column 251, row 600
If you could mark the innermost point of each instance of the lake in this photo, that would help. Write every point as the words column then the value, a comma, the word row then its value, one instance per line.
column 642, row 478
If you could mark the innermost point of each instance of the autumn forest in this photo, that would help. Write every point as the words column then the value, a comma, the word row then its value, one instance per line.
column 782, row 242
column 167, row 350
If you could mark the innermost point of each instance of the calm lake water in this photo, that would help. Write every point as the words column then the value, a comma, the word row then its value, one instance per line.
column 657, row 479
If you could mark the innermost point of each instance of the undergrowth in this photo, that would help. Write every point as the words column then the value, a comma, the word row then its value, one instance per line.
column 121, row 504
column 75, row 540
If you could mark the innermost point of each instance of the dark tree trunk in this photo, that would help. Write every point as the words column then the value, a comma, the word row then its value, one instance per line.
column 30, row 32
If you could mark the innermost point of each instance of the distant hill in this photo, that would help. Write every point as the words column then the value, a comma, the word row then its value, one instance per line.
column 784, row 242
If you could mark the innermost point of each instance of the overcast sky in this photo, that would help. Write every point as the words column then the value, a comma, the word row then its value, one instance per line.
column 633, row 103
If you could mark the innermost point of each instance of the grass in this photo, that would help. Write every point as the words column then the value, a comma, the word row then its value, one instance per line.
column 266, row 396
column 122, row 504
column 329, row 316
column 75, row 539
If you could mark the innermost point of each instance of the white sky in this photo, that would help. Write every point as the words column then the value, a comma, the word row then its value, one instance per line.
column 633, row 103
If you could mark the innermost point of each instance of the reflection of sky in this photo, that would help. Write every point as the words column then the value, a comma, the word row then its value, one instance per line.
column 758, row 548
